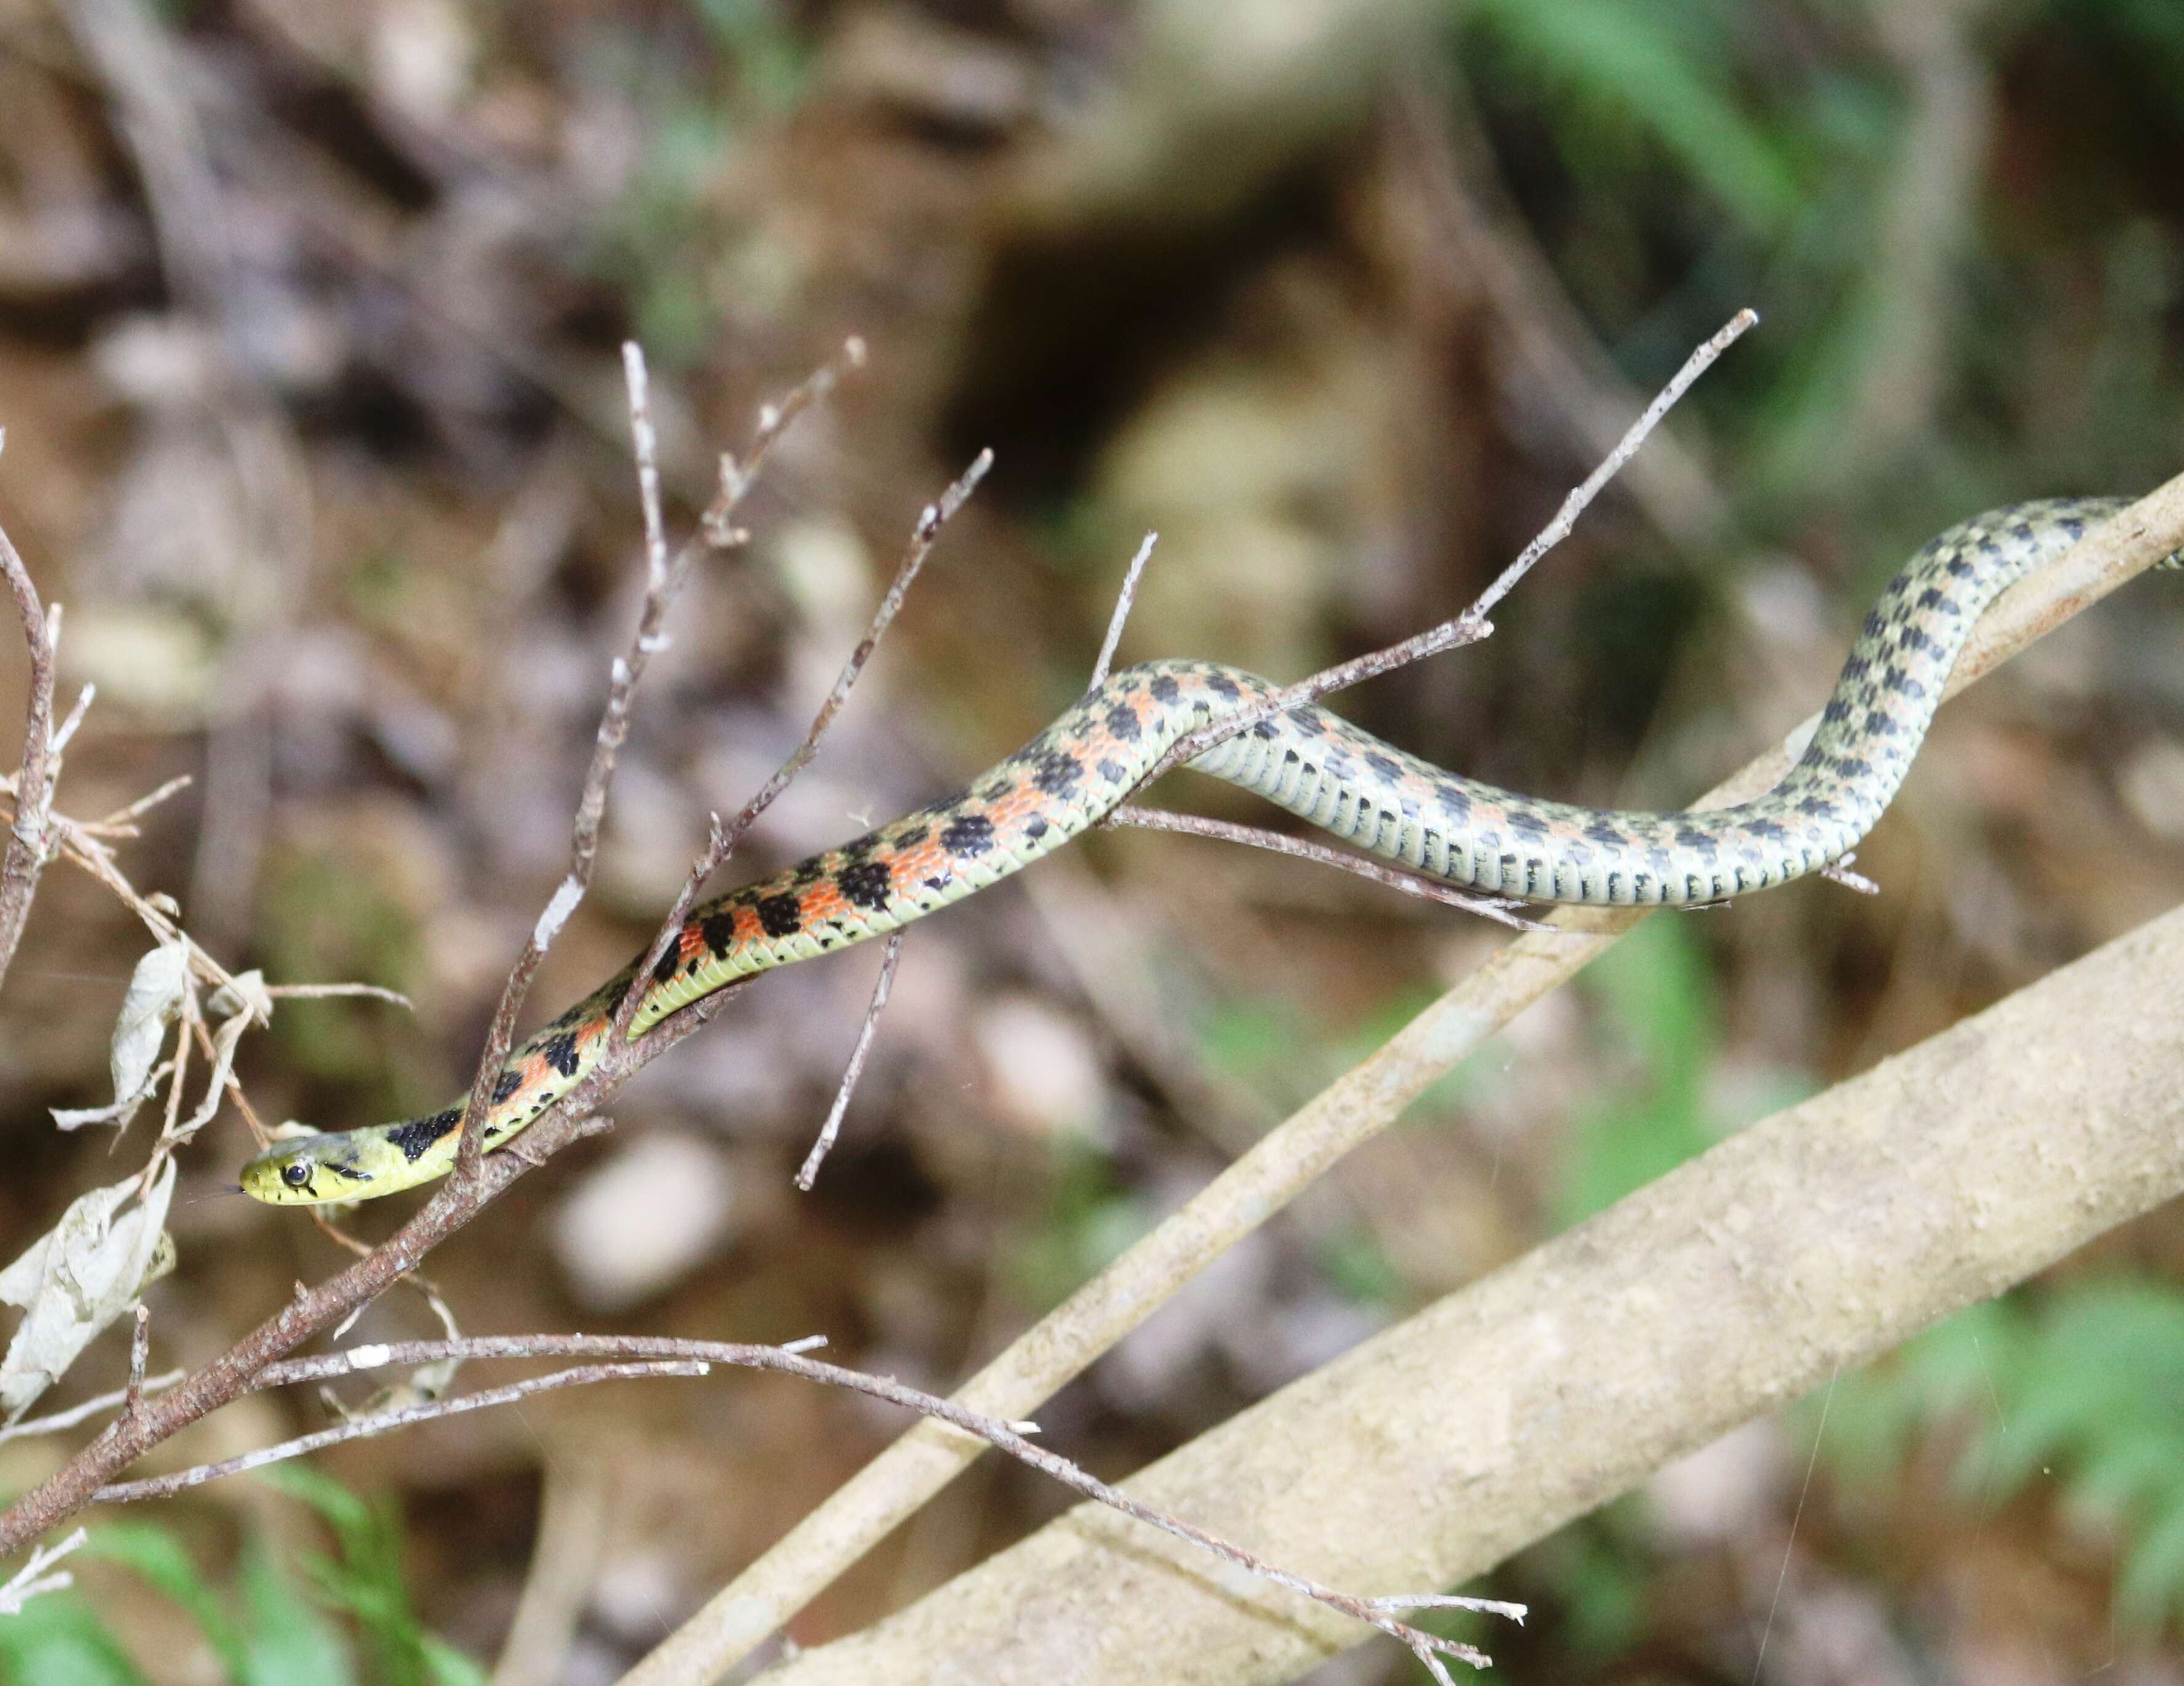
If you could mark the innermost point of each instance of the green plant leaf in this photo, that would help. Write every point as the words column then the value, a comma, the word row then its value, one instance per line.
column 156, row 1556
column 366, row 1581
column 56, row 1640
column 2135, row 1473
column 448, row 1666
column 348, row 1515
column 2150, row 1585
column 1640, row 63
column 285, row 1638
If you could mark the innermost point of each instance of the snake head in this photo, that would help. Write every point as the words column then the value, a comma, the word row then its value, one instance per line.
column 310, row 1170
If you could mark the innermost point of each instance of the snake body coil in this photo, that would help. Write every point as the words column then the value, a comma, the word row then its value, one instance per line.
column 1309, row 761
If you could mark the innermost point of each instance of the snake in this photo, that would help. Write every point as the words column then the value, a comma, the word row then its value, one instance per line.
column 1312, row 762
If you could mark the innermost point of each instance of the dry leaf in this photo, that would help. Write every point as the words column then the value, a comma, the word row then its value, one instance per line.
column 155, row 993
column 75, row 1281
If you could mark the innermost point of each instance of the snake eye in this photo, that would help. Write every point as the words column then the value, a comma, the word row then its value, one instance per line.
column 296, row 1174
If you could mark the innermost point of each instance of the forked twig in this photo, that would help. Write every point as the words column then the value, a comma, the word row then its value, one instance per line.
column 662, row 575
column 90, row 1408
column 1472, row 625
column 33, row 1578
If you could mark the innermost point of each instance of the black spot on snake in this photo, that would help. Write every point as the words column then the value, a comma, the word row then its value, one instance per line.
column 781, row 915
column 420, row 1133
column 1058, row 773
column 867, row 884
column 562, row 1054
column 968, row 837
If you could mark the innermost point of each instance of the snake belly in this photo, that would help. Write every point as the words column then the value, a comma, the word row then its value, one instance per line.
column 1318, row 766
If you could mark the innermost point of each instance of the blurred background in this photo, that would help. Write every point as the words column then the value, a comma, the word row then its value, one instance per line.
column 308, row 318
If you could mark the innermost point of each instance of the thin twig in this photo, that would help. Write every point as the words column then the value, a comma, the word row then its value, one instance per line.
column 641, row 1355
column 808, row 1173
column 1472, row 625
column 736, row 478
column 27, row 837
column 1565, row 518
column 65, row 733
column 1484, row 1606
column 140, row 1351
column 119, row 822
column 1410, row 883
column 324, row 991
column 80, row 847
column 90, row 1408
column 31, row 1578
column 644, row 444
column 1123, row 599
column 381, row 1422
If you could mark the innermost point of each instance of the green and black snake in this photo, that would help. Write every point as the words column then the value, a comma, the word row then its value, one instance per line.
column 1309, row 761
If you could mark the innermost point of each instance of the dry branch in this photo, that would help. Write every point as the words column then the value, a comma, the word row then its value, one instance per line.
column 1348, row 1113
column 1120, row 617
column 1810, row 1242
column 808, row 1172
